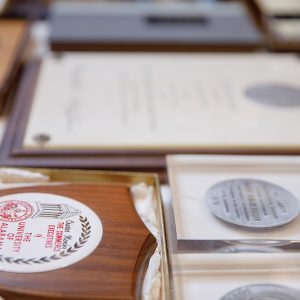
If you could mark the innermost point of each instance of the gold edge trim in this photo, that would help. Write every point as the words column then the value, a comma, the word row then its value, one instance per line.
column 108, row 177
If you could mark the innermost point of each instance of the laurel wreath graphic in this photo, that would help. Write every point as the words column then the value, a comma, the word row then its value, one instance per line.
column 85, row 235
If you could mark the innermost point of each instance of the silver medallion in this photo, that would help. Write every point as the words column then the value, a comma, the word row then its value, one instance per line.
column 252, row 203
column 263, row 292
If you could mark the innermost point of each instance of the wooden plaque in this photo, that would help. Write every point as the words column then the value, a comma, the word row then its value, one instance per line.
column 13, row 38
column 114, row 270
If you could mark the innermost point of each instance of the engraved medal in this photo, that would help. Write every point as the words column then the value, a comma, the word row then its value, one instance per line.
column 263, row 292
column 252, row 203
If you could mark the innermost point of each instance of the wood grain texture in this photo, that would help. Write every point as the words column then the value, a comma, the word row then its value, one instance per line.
column 13, row 37
column 113, row 271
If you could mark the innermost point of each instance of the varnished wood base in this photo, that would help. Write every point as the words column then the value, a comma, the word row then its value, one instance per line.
column 113, row 271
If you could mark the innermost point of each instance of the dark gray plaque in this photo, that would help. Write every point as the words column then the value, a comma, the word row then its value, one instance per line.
column 152, row 23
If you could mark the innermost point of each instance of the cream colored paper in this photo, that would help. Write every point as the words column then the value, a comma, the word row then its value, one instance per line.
column 140, row 101
column 191, row 176
column 287, row 29
column 280, row 7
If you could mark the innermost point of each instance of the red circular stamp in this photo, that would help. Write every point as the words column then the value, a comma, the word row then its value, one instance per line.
column 15, row 211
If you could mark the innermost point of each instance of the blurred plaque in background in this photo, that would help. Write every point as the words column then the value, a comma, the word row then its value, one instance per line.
column 281, row 22
column 152, row 26
column 279, row 7
column 13, row 40
column 126, row 111
column 28, row 9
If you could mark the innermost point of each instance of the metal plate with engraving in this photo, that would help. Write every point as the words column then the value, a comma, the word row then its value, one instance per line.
column 263, row 292
column 252, row 203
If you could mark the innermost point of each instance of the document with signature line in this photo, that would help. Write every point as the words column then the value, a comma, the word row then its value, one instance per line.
column 165, row 101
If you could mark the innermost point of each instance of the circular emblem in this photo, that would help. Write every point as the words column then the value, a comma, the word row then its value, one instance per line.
column 15, row 211
column 252, row 203
column 263, row 292
column 42, row 232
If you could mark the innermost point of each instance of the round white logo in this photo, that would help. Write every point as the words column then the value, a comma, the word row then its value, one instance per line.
column 42, row 232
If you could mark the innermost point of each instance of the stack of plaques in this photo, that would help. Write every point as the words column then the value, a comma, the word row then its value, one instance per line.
column 281, row 21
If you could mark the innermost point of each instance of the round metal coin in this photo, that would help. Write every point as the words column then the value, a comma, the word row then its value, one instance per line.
column 252, row 203
column 263, row 292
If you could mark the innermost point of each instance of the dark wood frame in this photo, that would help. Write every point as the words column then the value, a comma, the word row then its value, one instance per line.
column 159, row 47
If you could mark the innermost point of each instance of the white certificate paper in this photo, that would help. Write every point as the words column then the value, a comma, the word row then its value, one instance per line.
column 166, row 101
column 286, row 29
column 279, row 7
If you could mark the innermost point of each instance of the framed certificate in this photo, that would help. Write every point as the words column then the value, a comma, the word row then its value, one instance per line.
column 127, row 111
